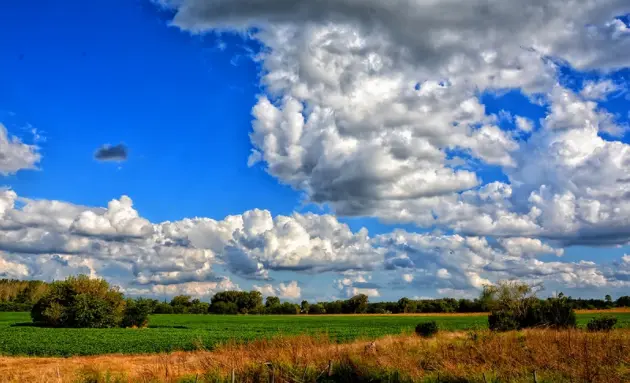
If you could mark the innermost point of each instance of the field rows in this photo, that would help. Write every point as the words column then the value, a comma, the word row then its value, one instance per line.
column 191, row 332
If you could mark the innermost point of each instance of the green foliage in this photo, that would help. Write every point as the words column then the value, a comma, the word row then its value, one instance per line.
column 246, row 302
column 80, row 302
column 556, row 313
column 427, row 329
column 223, row 308
column 285, row 308
column 88, row 311
column 163, row 308
column 15, row 307
column 623, row 301
column 21, row 292
column 137, row 312
column 357, row 304
column 199, row 307
column 603, row 323
column 272, row 301
column 317, row 309
column 305, row 307
column 181, row 304
column 181, row 300
column 514, row 306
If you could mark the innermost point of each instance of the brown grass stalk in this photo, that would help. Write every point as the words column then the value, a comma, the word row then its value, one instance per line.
column 571, row 356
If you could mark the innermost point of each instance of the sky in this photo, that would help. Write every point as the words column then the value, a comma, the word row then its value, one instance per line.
column 317, row 150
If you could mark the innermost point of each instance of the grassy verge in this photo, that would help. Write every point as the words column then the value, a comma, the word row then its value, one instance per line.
column 555, row 356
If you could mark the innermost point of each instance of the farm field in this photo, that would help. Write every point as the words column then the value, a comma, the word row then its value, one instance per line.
column 191, row 332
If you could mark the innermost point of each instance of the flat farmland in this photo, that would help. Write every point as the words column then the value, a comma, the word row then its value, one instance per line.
column 192, row 332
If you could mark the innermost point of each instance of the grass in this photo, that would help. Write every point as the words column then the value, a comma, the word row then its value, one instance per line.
column 168, row 333
column 480, row 356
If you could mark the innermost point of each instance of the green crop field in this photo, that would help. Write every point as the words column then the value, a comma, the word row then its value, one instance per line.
column 190, row 332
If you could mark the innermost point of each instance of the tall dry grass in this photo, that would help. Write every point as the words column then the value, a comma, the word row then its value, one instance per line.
column 555, row 356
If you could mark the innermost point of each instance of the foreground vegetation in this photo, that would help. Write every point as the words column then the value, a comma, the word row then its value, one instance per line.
column 480, row 356
column 189, row 332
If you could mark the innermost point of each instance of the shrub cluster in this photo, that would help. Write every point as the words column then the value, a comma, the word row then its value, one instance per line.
column 85, row 302
column 427, row 329
column 603, row 323
column 514, row 306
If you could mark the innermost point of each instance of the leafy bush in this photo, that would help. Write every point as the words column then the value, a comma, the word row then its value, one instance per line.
column 503, row 320
column 137, row 313
column 514, row 306
column 80, row 302
column 427, row 329
column 90, row 311
column 603, row 323
column 556, row 313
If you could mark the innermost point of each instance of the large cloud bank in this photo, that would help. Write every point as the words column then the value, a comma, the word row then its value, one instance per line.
column 374, row 108
column 52, row 239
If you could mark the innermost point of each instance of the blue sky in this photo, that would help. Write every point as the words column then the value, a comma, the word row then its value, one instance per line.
column 86, row 74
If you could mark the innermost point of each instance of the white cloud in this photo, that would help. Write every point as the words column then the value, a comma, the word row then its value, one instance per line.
column 195, row 289
column 290, row 291
column 407, row 278
column 368, row 100
column 521, row 247
column 12, row 270
column 599, row 90
column 524, row 124
column 197, row 256
column 16, row 155
column 120, row 219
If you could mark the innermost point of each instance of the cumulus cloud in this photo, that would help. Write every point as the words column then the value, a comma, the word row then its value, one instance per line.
column 16, row 155
column 355, row 283
column 195, row 289
column 289, row 291
column 112, row 153
column 40, row 239
column 373, row 108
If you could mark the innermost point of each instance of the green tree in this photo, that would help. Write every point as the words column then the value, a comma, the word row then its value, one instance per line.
column 249, row 301
column 137, row 312
column 304, row 307
column 358, row 304
column 514, row 305
column 198, row 307
column 80, row 302
column 623, row 301
column 272, row 301
column 317, row 309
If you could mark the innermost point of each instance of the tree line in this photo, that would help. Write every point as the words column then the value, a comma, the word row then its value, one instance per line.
column 19, row 295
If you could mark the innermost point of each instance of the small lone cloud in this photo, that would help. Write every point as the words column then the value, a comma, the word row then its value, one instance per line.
column 112, row 153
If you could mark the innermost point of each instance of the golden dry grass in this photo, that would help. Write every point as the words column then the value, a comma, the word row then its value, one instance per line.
column 605, row 311
column 575, row 356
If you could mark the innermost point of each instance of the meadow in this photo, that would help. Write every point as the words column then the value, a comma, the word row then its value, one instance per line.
column 168, row 333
